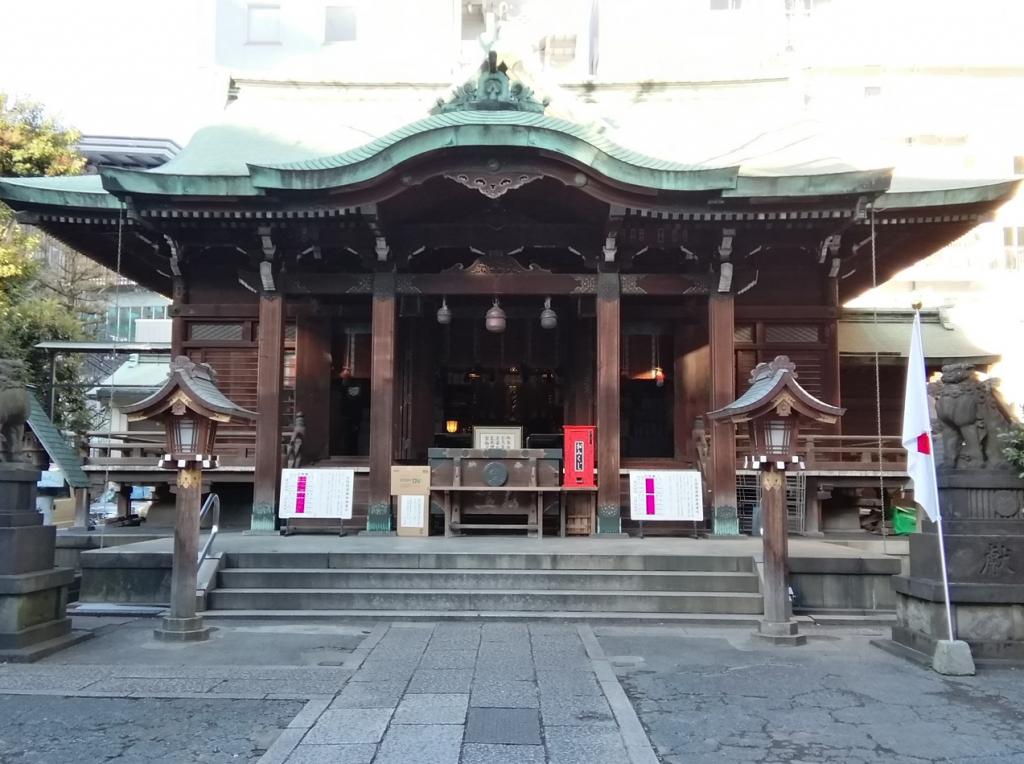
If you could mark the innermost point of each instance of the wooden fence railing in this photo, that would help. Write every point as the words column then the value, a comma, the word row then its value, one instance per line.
column 143, row 447
column 843, row 452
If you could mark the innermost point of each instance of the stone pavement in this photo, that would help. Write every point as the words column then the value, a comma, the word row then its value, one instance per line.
column 414, row 693
column 711, row 695
column 475, row 692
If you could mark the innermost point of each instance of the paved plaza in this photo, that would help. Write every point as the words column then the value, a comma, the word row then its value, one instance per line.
column 474, row 692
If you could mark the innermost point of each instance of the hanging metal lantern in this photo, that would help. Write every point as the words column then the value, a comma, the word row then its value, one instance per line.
column 548, row 317
column 495, row 320
column 444, row 313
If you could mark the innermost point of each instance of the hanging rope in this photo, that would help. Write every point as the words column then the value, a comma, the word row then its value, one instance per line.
column 878, row 384
column 113, row 352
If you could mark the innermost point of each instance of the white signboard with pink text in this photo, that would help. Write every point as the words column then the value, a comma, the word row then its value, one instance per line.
column 316, row 494
column 666, row 495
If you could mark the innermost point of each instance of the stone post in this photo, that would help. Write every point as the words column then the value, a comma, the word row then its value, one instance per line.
column 33, row 592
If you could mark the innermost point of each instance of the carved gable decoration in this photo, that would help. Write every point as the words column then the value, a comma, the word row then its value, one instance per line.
column 493, row 263
column 493, row 184
column 493, row 90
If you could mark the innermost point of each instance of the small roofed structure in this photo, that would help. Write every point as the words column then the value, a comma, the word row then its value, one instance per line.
column 191, row 406
column 774, row 396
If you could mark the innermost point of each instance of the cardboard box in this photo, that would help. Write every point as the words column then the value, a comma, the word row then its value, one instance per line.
column 410, row 480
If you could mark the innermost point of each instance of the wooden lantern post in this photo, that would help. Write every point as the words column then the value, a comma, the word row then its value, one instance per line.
column 773, row 407
column 190, row 406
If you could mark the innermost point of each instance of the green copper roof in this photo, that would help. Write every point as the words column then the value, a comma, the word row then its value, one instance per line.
column 907, row 193
column 55, row 444
column 84, row 191
column 493, row 129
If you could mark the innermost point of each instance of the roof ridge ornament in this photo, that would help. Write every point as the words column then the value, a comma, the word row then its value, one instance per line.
column 492, row 90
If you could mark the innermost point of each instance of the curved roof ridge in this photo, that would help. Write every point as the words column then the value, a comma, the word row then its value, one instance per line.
column 586, row 133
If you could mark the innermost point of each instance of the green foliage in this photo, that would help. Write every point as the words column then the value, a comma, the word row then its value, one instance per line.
column 32, row 143
column 1013, row 450
column 31, row 310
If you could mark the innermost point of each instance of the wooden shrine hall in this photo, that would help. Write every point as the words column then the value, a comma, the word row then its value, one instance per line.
column 493, row 264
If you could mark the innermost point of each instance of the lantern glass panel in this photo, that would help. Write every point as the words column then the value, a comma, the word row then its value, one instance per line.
column 777, row 436
column 186, row 431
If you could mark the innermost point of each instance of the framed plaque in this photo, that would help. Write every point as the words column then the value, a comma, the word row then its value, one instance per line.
column 504, row 438
column 666, row 495
column 316, row 493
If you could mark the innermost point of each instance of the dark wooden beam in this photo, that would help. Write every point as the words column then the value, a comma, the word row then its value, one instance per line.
column 269, row 373
column 465, row 283
column 486, row 237
column 721, row 335
column 382, row 403
column 313, row 384
column 609, row 336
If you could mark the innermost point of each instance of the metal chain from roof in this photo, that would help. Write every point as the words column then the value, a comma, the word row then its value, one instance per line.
column 878, row 384
column 113, row 351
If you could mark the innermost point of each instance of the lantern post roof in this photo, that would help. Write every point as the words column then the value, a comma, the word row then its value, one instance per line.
column 195, row 386
column 774, row 384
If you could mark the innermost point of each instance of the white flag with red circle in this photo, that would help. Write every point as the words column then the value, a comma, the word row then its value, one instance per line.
column 917, row 428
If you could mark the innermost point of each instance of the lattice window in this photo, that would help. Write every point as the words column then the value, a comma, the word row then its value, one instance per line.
column 744, row 333
column 787, row 333
column 220, row 331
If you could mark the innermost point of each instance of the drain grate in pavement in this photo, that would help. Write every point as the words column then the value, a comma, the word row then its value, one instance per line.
column 509, row 726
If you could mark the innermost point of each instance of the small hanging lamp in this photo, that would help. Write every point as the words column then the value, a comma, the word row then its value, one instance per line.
column 444, row 313
column 548, row 317
column 495, row 319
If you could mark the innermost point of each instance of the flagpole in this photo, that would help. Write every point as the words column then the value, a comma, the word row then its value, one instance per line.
column 938, row 511
column 945, row 576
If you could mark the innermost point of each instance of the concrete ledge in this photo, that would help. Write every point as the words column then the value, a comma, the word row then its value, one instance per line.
column 42, row 650
column 26, row 583
column 931, row 590
column 35, row 634
column 125, row 558
column 882, row 566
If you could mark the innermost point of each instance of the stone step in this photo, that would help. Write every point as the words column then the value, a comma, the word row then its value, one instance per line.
column 485, row 600
column 347, row 616
column 490, row 561
column 466, row 579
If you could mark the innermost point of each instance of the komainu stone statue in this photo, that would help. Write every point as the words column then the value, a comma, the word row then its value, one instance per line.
column 14, row 410
column 969, row 415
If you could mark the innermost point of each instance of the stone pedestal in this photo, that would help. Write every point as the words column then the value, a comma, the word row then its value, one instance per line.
column 33, row 593
column 983, row 525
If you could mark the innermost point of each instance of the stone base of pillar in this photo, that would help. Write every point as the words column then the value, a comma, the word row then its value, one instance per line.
column 182, row 630
column 609, row 522
column 780, row 633
column 378, row 520
column 725, row 523
column 264, row 518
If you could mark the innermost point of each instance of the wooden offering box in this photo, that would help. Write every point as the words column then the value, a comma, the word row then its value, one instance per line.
column 495, row 489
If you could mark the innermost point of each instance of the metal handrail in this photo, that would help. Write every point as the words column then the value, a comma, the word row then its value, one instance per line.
column 212, row 504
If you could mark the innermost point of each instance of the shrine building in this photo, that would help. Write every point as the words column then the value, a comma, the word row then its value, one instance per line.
column 491, row 264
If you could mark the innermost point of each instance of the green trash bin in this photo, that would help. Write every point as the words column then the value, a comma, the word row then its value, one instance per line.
column 904, row 520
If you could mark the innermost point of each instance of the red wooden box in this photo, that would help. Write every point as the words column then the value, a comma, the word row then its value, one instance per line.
column 578, row 455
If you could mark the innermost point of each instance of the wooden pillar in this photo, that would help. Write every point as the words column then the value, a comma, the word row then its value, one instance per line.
column 182, row 624
column 777, row 625
column 832, row 361
column 721, row 338
column 609, row 333
column 269, row 373
column 382, row 403
column 313, row 385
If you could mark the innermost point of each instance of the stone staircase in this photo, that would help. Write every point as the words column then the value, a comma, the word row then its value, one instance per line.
column 472, row 584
